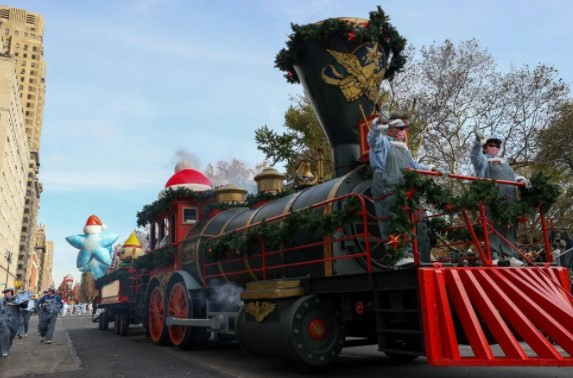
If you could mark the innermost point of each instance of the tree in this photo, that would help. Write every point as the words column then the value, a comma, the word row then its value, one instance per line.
column 555, row 158
column 76, row 292
column 303, row 139
column 88, row 291
column 459, row 86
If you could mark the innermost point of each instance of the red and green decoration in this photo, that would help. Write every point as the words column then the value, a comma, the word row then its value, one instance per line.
column 415, row 188
column 377, row 29
column 280, row 234
column 150, row 212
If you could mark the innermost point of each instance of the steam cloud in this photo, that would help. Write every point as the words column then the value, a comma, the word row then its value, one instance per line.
column 227, row 296
column 185, row 160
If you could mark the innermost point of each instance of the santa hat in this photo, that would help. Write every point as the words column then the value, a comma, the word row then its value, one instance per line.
column 94, row 223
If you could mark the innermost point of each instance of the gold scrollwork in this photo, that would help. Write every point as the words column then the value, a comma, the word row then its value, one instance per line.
column 260, row 310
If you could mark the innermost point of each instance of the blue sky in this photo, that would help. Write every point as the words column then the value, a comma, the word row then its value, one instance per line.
column 130, row 83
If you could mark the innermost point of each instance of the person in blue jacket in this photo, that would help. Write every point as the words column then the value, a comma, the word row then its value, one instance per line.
column 487, row 162
column 389, row 156
column 50, row 306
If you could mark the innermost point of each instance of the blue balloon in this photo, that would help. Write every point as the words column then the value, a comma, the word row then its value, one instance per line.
column 95, row 247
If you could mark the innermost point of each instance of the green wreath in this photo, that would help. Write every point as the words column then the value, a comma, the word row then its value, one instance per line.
column 377, row 29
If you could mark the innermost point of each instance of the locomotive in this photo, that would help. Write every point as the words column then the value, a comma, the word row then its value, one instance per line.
column 307, row 298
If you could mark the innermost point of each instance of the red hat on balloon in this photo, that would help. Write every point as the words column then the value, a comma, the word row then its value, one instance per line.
column 94, row 225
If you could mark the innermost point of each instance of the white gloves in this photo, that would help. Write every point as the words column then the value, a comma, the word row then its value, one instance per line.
column 479, row 135
column 524, row 180
column 385, row 113
column 379, row 125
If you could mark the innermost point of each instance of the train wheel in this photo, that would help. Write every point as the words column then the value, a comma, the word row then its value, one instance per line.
column 156, row 317
column 178, row 307
column 315, row 331
column 104, row 321
column 124, row 327
column 117, row 324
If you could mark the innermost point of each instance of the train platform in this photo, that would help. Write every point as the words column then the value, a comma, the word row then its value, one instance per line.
column 30, row 357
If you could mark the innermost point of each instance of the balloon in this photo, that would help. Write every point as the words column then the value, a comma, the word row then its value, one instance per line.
column 95, row 245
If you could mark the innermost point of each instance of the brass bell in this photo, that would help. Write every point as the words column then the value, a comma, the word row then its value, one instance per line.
column 303, row 174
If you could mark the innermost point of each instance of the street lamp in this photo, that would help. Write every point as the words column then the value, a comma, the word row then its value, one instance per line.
column 8, row 255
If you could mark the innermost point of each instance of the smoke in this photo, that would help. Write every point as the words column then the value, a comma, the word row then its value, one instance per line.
column 226, row 296
column 185, row 160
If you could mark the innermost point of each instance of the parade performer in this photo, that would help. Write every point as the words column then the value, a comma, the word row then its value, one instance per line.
column 488, row 164
column 25, row 313
column 389, row 156
column 9, row 315
column 50, row 306
column 95, row 246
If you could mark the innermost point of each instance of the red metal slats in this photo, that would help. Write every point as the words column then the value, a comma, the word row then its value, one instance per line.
column 554, row 275
column 467, row 316
column 555, row 304
column 533, row 280
column 511, row 312
column 547, row 279
column 440, row 336
column 542, row 319
column 487, row 309
column 448, row 334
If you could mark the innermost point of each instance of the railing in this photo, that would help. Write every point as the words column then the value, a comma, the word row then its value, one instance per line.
column 265, row 253
column 487, row 227
column 479, row 240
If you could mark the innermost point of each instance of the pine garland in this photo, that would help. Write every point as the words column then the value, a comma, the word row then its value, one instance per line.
column 280, row 234
column 378, row 29
column 158, row 258
column 150, row 212
column 542, row 195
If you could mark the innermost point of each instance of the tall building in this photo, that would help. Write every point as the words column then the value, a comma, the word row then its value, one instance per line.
column 21, row 34
column 47, row 262
column 14, row 154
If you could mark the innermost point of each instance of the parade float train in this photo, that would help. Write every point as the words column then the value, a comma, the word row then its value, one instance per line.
column 307, row 299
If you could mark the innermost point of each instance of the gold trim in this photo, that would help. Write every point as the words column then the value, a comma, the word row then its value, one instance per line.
column 273, row 293
column 266, row 285
column 260, row 310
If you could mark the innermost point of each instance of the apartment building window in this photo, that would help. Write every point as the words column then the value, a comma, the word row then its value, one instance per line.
column 34, row 48
column 17, row 45
column 25, row 55
column 26, row 47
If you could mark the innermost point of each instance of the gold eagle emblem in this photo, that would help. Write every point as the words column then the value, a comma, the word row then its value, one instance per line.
column 260, row 310
column 365, row 73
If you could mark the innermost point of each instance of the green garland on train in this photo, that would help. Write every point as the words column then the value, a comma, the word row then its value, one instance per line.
column 377, row 29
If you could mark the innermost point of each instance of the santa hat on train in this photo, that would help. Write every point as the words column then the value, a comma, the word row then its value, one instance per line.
column 94, row 225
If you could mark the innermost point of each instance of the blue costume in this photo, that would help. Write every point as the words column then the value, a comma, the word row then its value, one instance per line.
column 50, row 306
column 493, row 167
column 388, row 159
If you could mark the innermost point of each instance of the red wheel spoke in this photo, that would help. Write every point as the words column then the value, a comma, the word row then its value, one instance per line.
column 178, row 308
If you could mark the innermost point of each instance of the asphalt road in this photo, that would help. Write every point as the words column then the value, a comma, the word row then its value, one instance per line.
column 104, row 354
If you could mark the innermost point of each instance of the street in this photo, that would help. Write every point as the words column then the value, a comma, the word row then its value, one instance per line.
column 95, row 353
